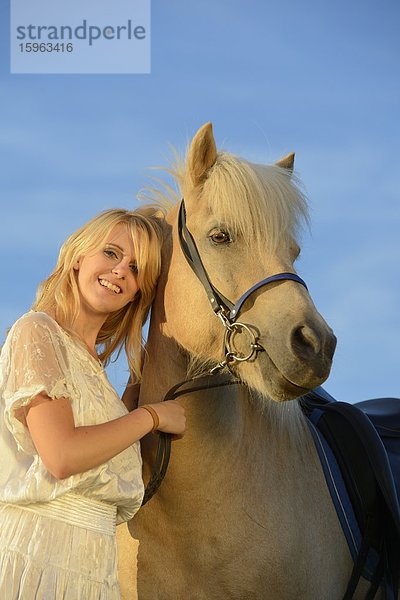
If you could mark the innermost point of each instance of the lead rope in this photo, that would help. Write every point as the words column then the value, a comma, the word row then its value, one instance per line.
column 200, row 382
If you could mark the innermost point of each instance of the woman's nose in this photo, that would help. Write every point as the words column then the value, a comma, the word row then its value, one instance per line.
column 121, row 269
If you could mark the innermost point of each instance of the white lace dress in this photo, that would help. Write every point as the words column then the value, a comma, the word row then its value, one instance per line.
column 66, row 550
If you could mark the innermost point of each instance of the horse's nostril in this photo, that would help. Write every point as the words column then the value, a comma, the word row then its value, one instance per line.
column 307, row 343
column 305, row 340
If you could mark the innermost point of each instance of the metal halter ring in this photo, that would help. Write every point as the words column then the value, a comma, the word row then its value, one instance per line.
column 231, row 351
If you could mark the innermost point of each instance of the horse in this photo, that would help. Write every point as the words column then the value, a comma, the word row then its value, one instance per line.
column 244, row 511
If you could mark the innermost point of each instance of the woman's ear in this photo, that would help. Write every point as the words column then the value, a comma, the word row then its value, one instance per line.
column 76, row 266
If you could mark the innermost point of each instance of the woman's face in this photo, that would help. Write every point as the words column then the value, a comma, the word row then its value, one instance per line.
column 107, row 279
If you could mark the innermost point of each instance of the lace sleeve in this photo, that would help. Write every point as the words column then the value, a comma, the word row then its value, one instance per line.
column 37, row 362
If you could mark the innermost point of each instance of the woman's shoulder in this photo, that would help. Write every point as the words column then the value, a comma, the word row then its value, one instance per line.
column 34, row 332
column 33, row 317
column 35, row 322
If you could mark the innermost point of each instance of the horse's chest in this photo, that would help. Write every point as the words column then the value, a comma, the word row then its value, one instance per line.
column 252, row 528
column 247, row 551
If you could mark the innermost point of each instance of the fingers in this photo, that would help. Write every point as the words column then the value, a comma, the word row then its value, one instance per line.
column 172, row 417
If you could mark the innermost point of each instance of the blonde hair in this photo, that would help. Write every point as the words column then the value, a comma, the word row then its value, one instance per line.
column 59, row 293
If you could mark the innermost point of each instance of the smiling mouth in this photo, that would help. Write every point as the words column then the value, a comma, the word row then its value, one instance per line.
column 110, row 286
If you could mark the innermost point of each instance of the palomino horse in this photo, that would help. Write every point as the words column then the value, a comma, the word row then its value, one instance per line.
column 244, row 511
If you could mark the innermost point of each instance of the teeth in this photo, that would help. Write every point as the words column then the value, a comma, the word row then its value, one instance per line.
column 109, row 285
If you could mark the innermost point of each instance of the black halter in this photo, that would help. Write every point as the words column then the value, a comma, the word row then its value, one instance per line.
column 228, row 312
column 217, row 300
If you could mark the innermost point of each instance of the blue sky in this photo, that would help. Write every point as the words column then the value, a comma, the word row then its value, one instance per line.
column 319, row 78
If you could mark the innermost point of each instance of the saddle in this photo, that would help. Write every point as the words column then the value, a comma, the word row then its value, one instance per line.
column 359, row 448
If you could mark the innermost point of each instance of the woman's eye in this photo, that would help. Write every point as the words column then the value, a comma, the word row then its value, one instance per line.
column 110, row 253
column 134, row 268
column 220, row 237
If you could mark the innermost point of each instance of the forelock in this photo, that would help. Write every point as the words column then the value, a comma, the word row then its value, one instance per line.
column 262, row 203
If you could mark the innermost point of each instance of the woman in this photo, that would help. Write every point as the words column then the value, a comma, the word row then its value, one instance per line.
column 71, row 461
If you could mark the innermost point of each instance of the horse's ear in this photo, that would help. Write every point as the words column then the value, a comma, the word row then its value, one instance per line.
column 286, row 162
column 202, row 154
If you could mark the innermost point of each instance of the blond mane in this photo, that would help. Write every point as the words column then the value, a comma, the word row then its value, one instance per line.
column 264, row 204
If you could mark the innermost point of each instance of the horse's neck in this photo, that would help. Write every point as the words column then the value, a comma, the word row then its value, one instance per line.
column 164, row 367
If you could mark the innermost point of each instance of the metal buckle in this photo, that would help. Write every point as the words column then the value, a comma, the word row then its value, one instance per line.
column 224, row 318
column 232, row 351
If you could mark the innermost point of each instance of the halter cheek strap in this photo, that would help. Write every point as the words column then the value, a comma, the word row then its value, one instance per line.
column 217, row 300
column 191, row 253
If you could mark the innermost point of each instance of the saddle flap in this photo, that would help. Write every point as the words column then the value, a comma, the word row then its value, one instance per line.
column 366, row 457
column 365, row 440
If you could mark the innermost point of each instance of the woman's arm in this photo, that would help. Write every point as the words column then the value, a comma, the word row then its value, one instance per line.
column 67, row 450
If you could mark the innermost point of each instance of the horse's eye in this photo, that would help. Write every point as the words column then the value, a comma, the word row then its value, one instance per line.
column 220, row 237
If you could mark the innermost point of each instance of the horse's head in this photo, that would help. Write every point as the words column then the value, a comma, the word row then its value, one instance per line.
column 243, row 218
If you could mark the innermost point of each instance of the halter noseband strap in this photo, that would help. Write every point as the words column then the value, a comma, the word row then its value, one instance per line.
column 217, row 300
column 278, row 277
